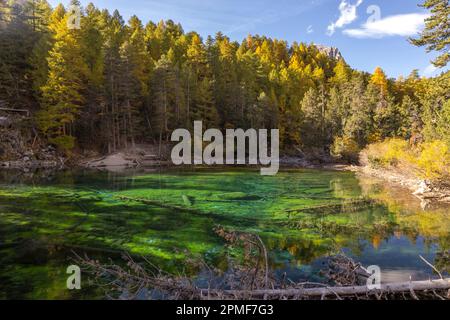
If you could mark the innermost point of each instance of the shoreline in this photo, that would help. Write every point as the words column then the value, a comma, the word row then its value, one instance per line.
column 426, row 191
column 122, row 160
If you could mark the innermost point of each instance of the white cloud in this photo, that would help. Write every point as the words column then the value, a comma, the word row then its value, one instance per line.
column 348, row 15
column 397, row 25
column 430, row 70
column 310, row 29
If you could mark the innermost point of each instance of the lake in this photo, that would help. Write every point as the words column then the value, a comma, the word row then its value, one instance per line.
column 302, row 216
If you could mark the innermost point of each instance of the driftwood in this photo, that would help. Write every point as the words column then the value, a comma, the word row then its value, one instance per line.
column 16, row 110
column 341, row 291
column 89, row 162
column 137, row 278
column 249, row 278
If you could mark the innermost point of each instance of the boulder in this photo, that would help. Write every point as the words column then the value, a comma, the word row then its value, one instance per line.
column 114, row 160
column 423, row 188
column 4, row 164
column 5, row 122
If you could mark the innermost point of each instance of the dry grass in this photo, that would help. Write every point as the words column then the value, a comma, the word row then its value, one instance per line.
column 429, row 161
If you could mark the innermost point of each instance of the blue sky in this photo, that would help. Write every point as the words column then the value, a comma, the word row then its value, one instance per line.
column 366, row 40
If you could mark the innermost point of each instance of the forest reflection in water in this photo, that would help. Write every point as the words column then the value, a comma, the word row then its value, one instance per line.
column 303, row 216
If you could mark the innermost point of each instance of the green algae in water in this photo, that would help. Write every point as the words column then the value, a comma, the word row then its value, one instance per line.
column 302, row 216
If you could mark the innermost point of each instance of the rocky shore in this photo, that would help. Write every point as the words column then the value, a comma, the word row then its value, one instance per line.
column 46, row 158
column 425, row 190
column 34, row 164
column 23, row 149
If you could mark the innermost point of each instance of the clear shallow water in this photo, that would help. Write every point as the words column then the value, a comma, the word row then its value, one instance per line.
column 301, row 215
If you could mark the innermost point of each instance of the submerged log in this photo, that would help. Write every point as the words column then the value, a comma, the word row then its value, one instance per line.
column 182, row 209
column 165, row 205
column 349, row 205
column 402, row 287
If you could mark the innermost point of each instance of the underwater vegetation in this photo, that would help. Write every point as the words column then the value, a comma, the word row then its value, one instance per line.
column 301, row 215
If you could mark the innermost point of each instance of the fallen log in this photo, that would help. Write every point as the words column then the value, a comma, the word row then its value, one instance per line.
column 16, row 110
column 89, row 162
column 335, row 207
column 406, row 287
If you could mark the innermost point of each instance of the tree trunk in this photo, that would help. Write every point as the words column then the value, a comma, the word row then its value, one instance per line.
column 344, row 291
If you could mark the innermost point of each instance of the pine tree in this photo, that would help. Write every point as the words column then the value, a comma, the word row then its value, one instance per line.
column 113, row 30
column 62, row 95
column 200, row 95
column 17, row 39
column 205, row 108
column 167, row 98
column 359, row 124
column 410, row 118
column 227, row 84
column 38, row 12
column 92, row 44
column 436, row 108
column 133, row 83
column 124, row 82
column 252, row 81
column 314, row 109
column 436, row 35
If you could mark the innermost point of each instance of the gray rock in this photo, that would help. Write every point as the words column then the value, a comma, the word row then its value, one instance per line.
column 331, row 52
column 5, row 122
column 423, row 188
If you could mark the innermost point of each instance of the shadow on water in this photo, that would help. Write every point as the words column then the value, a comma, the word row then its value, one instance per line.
column 302, row 216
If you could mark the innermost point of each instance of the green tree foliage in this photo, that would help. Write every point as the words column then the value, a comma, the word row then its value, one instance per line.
column 21, row 28
column 359, row 121
column 315, row 127
column 168, row 109
column 62, row 94
column 436, row 34
column 111, row 84
column 435, row 104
